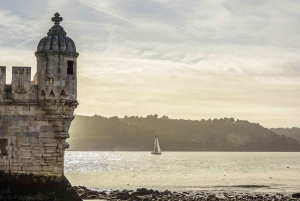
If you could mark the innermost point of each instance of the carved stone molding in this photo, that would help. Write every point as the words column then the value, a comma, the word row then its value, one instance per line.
column 61, row 135
column 59, row 102
column 14, row 102
column 43, row 54
column 66, row 145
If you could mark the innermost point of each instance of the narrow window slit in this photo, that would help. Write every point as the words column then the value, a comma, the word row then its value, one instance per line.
column 70, row 68
column 3, row 145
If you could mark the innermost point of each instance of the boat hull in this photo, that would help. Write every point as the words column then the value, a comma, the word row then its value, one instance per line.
column 155, row 153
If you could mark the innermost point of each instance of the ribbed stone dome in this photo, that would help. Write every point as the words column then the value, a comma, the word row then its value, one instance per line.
column 57, row 40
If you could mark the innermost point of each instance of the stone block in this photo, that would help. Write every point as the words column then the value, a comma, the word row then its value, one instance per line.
column 33, row 140
column 45, row 140
column 60, row 159
column 32, row 168
column 28, row 112
column 14, row 129
column 50, row 161
column 54, row 174
column 13, row 140
column 25, row 159
column 13, row 112
column 38, row 154
column 3, row 130
column 58, row 172
column 14, row 123
column 37, row 148
column 20, row 112
column 3, row 163
column 31, row 128
column 39, row 124
column 17, row 134
column 14, row 172
column 39, row 118
column 47, row 168
column 58, row 168
column 23, row 123
column 15, row 167
column 50, row 148
column 51, row 145
column 46, row 134
column 21, row 172
column 31, row 134
column 46, row 155
column 11, row 108
column 50, row 158
column 5, row 123
column 23, row 145
column 46, row 129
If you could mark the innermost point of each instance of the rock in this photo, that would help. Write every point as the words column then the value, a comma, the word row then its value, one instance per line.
column 296, row 195
column 92, row 197
column 143, row 194
column 142, row 191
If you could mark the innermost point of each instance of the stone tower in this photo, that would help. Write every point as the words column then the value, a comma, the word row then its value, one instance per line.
column 57, row 79
column 35, row 117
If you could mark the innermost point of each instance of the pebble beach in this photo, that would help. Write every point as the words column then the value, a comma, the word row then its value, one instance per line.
column 143, row 194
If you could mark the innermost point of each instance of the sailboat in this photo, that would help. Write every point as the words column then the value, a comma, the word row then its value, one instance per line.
column 157, row 150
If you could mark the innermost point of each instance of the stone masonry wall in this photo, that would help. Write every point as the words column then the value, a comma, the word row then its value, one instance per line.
column 31, row 147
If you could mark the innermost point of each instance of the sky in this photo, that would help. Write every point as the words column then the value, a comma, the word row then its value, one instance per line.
column 183, row 59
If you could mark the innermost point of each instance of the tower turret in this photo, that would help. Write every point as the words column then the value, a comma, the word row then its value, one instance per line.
column 57, row 78
column 56, row 64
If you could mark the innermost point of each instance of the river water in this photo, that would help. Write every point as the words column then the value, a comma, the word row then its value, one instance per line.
column 186, row 171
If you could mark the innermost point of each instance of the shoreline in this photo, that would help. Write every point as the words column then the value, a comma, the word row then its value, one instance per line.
column 149, row 194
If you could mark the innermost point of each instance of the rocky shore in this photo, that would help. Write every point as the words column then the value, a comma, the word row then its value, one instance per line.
column 143, row 194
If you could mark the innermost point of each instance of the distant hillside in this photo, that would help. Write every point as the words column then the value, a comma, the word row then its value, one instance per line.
column 288, row 132
column 137, row 133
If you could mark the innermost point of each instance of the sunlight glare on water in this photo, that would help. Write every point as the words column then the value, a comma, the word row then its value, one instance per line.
column 228, row 171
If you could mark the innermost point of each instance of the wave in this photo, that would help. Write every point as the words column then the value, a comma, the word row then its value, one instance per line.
column 244, row 186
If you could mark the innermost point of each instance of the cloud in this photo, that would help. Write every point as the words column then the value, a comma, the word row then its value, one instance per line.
column 202, row 59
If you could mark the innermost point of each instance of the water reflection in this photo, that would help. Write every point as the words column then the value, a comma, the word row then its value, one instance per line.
column 185, row 170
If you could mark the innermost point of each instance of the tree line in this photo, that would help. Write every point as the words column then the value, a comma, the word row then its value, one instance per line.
column 137, row 133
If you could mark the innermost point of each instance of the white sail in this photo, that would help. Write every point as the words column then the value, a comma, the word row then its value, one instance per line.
column 156, row 147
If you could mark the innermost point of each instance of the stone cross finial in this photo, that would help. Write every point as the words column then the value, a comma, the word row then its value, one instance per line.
column 57, row 19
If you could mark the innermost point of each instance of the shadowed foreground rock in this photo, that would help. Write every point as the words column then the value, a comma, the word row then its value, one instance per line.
column 147, row 195
column 32, row 187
